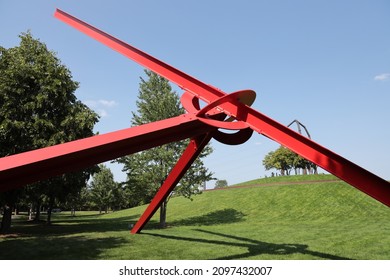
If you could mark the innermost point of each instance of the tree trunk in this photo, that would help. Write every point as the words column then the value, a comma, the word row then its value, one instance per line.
column 37, row 211
column 16, row 209
column 48, row 221
column 7, row 218
column 10, row 200
column 49, row 210
column 163, row 214
column 30, row 211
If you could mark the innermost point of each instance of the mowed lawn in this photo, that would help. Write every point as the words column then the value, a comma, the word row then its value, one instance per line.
column 312, row 220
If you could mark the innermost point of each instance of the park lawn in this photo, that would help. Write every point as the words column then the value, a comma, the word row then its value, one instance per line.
column 290, row 179
column 326, row 220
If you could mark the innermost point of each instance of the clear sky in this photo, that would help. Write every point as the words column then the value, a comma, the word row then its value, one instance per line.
column 325, row 63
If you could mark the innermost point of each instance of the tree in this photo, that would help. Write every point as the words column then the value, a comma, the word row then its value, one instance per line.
column 221, row 184
column 147, row 170
column 61, row 188
column 77, row 201
column 282, row 159
column 134, row 185
column 121, row 197
column 102, row 188
column 304, row 165
column 285, row 160
column 38, row 108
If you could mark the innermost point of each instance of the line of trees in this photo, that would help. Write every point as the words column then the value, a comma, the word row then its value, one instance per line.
column 284, row 161
column 102, row 193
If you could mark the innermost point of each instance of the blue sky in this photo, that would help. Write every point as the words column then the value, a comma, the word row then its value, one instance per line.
column 325, row 63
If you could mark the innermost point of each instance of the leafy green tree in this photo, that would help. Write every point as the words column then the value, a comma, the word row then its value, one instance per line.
column 285, row 160
column 220, row 184
column 102, row 188
column 77, row 201
column 59, row 189
column 38, row 108
column 147, row 170
column 121, row 197
column 304, row 165
column 134, row 185
column 282, row 159
column 268, row 161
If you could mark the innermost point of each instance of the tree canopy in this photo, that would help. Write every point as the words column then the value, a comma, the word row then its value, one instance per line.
column 285, row 160
column 38, row 108
column 103, row 188
column 220, row 184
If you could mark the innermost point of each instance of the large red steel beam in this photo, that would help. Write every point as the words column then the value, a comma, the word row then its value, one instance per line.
column 353, row 174
column 24, row 168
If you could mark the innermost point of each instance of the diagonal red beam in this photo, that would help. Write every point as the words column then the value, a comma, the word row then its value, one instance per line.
column 24, row 168
column 339, row 166
column 190, row 154
column 328, row 160
column 183, row 80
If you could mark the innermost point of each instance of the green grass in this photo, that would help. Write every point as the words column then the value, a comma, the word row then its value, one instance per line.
column 288, row 179
column 327, row 220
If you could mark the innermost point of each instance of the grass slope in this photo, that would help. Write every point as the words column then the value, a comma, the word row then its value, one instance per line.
column 322, row 220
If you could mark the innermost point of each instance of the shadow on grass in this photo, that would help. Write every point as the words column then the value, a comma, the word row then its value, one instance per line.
column 254, row 247
column 225, row 216
column 29, row 240
column 70, row 225
column 57, row 248
column 63, row 225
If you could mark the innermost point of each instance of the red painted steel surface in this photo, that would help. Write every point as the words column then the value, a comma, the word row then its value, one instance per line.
column 192, row 151
column 198, row 124
column 21, row 169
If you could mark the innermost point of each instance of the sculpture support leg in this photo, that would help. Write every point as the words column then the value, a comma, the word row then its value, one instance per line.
column 190, row 154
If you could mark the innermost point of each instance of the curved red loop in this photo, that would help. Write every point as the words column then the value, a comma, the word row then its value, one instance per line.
column 244, row 96
column 190, row 102
column 223, row 124
column 237, row 138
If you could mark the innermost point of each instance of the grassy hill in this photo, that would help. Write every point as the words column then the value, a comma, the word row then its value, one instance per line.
column 297, row 217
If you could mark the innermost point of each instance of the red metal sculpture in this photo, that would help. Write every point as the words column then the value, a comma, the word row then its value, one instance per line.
column 227, row 111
